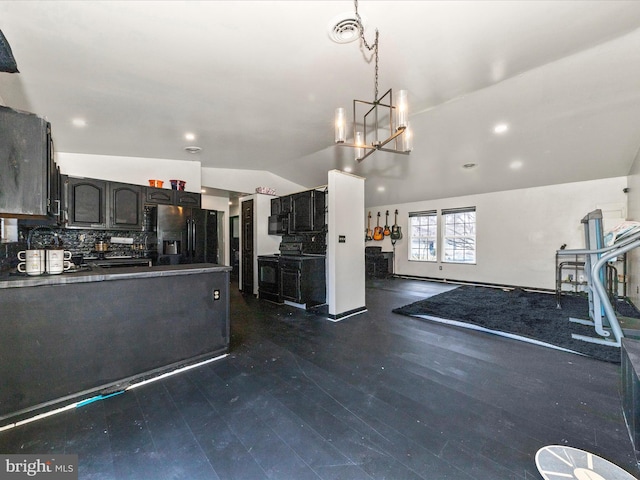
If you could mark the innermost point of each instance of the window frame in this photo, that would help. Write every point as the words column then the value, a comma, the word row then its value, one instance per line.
column 432, row 215
column 469, row 232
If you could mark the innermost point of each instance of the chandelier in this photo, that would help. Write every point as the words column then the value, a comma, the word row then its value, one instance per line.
column 383, row 125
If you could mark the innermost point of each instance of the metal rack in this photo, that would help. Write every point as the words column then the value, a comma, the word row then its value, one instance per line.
column 576, row 277
column 576, row 266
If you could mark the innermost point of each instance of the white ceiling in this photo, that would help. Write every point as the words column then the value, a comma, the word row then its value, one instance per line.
column 258, row 82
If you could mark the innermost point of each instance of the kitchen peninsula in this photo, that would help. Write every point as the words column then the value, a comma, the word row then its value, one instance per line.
column 73, row 336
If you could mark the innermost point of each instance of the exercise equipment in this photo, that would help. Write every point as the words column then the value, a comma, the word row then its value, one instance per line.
column 598, row 252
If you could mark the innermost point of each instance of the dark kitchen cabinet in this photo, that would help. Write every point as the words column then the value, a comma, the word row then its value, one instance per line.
column 86, row 203
column 55, row 194
column 187, row 199
column 98, row 204
column 125, row 208
column 165, row 196
column 55, row 183
column 276, row 206
column 302, row 279
column 308, row 211
column 29, row 181
column 159, row 196
column 286, row 204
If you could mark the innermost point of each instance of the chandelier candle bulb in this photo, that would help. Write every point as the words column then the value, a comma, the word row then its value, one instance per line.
column 407, row 139
column 359, row 150
column 341, row 125
column 402, row 115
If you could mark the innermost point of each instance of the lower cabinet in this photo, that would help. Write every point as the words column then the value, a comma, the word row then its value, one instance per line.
column 294, row 278
column 302, row 279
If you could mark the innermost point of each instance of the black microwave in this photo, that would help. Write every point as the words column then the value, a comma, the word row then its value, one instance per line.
column 279, row 224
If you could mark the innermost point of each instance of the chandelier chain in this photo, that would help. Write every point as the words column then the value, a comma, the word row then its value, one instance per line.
column 373, row 47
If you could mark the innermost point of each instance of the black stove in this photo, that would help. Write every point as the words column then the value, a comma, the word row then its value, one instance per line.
column 303, row 244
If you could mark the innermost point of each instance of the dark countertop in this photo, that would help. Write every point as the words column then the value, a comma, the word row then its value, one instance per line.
column 99, row 274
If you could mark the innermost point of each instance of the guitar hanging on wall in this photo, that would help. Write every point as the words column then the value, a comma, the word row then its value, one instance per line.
column 396, row 232
column 387, row 230
column 367, row 232
column 378, row 232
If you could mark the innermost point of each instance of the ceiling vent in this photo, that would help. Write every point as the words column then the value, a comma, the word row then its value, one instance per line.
column 193, row 149
column 345, row 28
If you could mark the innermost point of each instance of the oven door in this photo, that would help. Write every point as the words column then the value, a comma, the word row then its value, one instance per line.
column 269, row 279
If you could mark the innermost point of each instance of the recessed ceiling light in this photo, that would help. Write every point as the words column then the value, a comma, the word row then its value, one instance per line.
column 516, row 164
column 381, row 189
column 348, row 169
column 469, row 165
column 189, row 136
column 79, row 122
column 500, row 128
column 203, row 190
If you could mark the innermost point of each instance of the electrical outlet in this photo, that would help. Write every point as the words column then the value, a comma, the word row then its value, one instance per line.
column 216, row 294
column 440, row 267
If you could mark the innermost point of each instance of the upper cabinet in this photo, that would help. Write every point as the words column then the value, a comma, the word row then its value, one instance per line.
column 309, row 211
column 164, row 196
column 187, row 199
column 305, row 211
column 159, row 196
column 99, row 204
column 125, row 210
column 29, row 179
column 86, row 203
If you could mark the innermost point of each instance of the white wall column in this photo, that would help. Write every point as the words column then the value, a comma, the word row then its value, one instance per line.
column 345, row 245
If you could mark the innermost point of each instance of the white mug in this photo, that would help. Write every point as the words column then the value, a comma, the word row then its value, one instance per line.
column 33, row 262
column 58, row 261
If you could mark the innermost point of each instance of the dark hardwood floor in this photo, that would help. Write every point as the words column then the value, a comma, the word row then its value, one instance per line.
column 377, row 395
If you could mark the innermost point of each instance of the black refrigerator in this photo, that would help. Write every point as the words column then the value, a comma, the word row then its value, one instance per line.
column 186, row 235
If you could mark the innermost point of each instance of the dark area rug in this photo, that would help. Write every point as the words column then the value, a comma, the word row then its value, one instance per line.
column 532, row 315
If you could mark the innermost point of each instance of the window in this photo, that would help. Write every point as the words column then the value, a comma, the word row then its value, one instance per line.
column 459, row 238
column 423, row 236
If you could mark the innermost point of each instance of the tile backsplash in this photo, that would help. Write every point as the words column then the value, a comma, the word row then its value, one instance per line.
column 77, row 241
column 8, row 255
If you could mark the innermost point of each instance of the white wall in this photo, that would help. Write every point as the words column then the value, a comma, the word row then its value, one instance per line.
column 518, row 231
column 246, row 181
column 633, row 258
column 345, row 261
column 134, row 170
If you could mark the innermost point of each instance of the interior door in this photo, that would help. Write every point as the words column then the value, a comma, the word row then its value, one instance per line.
column 247, row 246
column 234, row 245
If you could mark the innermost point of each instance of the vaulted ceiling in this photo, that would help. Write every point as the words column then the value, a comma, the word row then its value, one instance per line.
column 257, row 82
